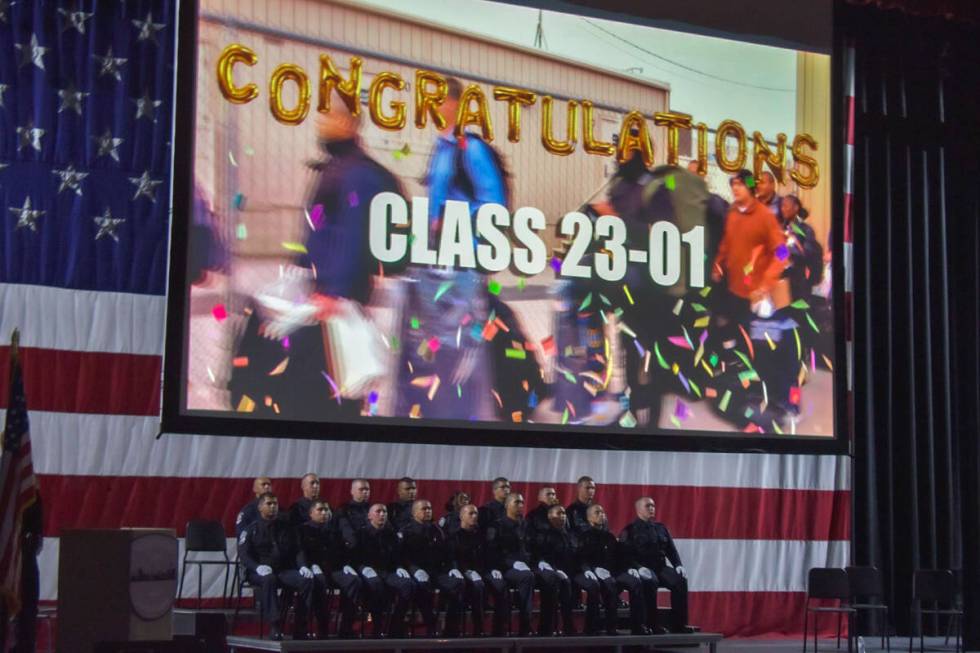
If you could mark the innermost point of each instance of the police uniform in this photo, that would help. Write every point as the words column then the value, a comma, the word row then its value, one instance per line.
column 425, row 554
column 248, row 515
column 377, row 552
column 325, row 552
column 537, row 519
column 400, row 514
column 468, row 553
column 555, row 557
column 273, row 543
column 491, row 512
column 352, row 517
column 299, row 512
column 578, row 517
column 449, row 523
column 649, row 544
column 507, row 547
column 599, row 552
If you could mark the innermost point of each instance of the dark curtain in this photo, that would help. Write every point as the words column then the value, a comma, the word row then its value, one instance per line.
column 916, row 212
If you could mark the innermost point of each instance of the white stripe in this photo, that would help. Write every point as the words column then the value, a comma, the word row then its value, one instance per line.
column 711, row 565
column 848, row 170
column 848, row 267
column 83, row 320
column 124, row 445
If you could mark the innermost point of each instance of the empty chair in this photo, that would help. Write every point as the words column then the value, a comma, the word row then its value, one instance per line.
column 867, row 594
column 204, row 537
column 938, row 587
column 823, row 583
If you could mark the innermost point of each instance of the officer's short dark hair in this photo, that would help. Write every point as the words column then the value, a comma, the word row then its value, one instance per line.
column 319, row 502
column 500, row 480
column 454, row 88
column 555, row 508
column 407, row 480
column 585, row 479
column 267, row 495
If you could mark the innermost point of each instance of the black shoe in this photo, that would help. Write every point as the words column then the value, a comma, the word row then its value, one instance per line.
column 300, row 636
column 641, row 630
column 275, row 634
column 612, row 632
column 659, row 630
column 683, row 630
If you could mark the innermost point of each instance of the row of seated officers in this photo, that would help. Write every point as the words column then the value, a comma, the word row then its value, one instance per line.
column 388, row 558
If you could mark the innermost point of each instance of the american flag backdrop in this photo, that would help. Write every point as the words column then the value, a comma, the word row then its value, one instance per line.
column 85, row 127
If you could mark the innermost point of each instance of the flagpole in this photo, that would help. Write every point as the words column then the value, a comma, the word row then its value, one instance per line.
column 14, row 345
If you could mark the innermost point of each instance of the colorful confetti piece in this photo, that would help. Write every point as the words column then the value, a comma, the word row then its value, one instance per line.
column 493, row 286
column 239, row 361
column 585, row 303
column 219, row 312
column 246, row 404
column 241, row 231
column 238, row 201
column 518, row 354
column 723, row 404
column 629, row 297
column 670, row 182
column 414, row 322
column 299, row 248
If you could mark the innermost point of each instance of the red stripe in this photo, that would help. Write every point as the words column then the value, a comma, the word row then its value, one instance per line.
column 690, row 512
column 64, row 381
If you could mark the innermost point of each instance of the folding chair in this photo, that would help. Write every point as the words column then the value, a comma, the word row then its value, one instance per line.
column 936, row 586
column 823, row 583
column 204, row 536
column 866, row 594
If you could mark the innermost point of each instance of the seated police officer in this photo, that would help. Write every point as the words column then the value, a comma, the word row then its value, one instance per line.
column 353, row 515
column 325, row 553
column 426, row 556
column 508, row 553
column 647, row 548
column 555, row 553
column 250, row 511
column 299, row 512
column 468, row 553
column 400, row 512
column 495, row 509
column 599, row 553
column 377, row 552
column 272, row 557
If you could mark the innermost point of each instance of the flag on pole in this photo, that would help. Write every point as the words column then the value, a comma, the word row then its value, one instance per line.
column 18, row 488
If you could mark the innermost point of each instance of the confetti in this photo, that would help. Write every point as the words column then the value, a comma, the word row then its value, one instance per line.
column 698, row 307
column 639, row 348
column 705, row 291
column 373, row 397
column 521, row 284
column 676, row 422
column 710, row 393
column 246, row 404
column 660, row 359
column 571, row 408
column 713, row 359
column 333, row 386
column 675, row 368
column 490, row 331
column 231, row 158
column 827, row 362
column 416, row 411
column 434, row 344
column 813, row 324
column 299, row 248
column 748, row 343
column 629, row 297
column 315, row 217
column 750, row 181
column 749, row 413
column 782, row 252
column 210, row 374
column 569, row 377
column 556, row 264
column 459, row 391
column 585, row 303
column 493, row 286
column 800, row 304
column 532, row 399
column 799, row 350
column 517, row 416
column 794, row 396
column 519, row 354
column 670, row 182
column 241, row 231
column 678, row 306
column 285, row 342
column 681, row 410
column 813, row 360
column 702, row 322
column 723, row 405
column 564, row 417
column 434, row 387
column 775, row 427
column 496, row 395
column 678, row 341
column 219, row 312
column 627, row 421
column 268, row 401
column 238, row 201
column 249, row 150
column 239, row 361
column 414, row 322
column 422, row 381
column 772, row 345
column 459, row 334
column 646, row 362
column 695, row 388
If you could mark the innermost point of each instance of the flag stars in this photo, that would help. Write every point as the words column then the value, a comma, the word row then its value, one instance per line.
column 71, row 98
column 110, row 65
column 71, row 179
column 146, row 106
column 145, row 186
column 31, row 53
column 108, row 145
column 148, row 28
column 107, row 225
column 29, row 136
column 26, row 216
column 75, row 19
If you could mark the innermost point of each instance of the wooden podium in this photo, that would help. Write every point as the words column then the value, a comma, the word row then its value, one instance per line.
column 115, row 585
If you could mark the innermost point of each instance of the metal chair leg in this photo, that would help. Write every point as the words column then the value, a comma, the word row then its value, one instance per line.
column 840, row 616
column 183, row 571
column 806, row 618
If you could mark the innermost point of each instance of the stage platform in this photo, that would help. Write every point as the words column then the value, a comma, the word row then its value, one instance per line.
column 502, row 644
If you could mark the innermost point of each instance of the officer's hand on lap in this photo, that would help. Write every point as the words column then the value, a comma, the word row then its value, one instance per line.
column 455, row 573
column 263, row 570
column 496, row 575
column 317, row 571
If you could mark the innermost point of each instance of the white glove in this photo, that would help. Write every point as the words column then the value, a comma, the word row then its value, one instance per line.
column 521, row 566
column 455, row 573
column 562, row 574
column 475, row 577
column 602, row 573
column 317, row 571
column 263, row 570
column 635, row 573
column 350, row 570
column 421, row 576
column 544, row 566
column 402, row 573
column 368, row 572
column 591, row 576
column 680, row 570
column 305, row 572
column 496, row 575
column 645, row 573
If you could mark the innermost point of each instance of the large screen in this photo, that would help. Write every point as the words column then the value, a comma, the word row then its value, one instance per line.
column 481, row 222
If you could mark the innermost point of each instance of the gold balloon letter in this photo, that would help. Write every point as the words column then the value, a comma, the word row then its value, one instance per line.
column 426, row 101
column 567, row 146
column 802, row 159
column 515, row 98
column 674, row 121
column 232, row 54
column 761, row 154
column 628, row 141
column 479, row 116
column 702, row 149
column 726, row 128
column 283, row 73
column 375, row 104
column 349, row 90
column 592, row 146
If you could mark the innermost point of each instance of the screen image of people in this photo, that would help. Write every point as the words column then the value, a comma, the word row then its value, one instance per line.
column 507, row 217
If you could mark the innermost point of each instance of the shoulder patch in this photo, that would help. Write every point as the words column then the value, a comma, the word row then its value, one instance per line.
column 243, row 537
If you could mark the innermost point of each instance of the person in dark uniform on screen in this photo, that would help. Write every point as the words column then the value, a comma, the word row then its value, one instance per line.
column 507, row 548
column 353, row 515
column 250, row 511
column 299, row 512
column 400, row 512
column 425, row 553
column 647, row 548
column 273, row 558
column 537, row 519
column 555, row 554
column 449, row 523
column 377, row 556
column 599, row 552
column 469, row 554
column 578, row 521
column 493, row 510
column 326, row 555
